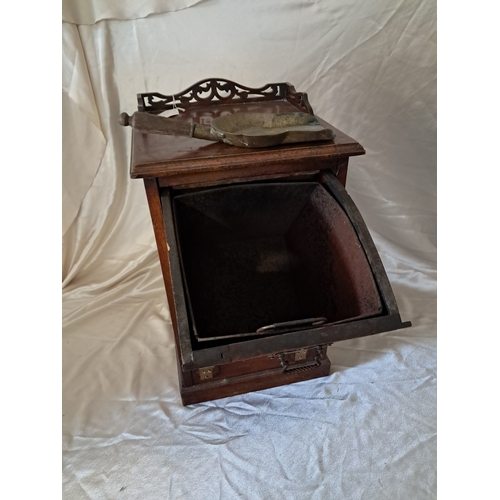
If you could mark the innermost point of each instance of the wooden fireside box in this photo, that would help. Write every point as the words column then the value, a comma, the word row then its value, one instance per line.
column 265, row 258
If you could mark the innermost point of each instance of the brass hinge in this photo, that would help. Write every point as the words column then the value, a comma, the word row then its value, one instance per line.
column 300, row 355
column 206, row 373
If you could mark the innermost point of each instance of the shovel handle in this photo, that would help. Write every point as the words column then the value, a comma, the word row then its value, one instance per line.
column 152, row 124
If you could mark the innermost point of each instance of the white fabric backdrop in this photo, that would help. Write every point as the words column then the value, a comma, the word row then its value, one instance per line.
column 366, row 431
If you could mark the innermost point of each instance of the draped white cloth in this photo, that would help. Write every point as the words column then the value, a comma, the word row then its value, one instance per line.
column 366, row 431
column 92, row 11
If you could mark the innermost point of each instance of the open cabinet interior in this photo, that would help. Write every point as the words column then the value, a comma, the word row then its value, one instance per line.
column 269, row 253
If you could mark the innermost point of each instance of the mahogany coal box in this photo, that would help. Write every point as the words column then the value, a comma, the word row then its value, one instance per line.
column 266, row 259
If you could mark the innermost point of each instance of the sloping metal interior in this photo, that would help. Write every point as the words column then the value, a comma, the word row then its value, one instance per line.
column 261, row 254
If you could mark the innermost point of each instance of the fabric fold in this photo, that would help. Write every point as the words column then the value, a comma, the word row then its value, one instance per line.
column 93, row 11
column 83, row 140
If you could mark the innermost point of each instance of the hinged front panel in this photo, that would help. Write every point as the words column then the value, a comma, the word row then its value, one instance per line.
column 269, row 267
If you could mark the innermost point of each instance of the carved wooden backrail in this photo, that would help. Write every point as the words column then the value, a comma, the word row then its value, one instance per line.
column 220, row 91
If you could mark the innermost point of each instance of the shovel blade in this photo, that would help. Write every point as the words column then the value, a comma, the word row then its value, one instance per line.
column 260, row 130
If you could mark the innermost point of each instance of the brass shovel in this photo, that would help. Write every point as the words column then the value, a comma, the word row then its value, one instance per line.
column 247, row 130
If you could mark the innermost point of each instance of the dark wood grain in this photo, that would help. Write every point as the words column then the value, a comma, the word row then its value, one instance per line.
column 255, row 381
column 247, row 173
column 154, row 202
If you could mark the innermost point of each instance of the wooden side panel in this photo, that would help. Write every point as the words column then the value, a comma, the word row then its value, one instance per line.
column 155, row 210
column 153, row 196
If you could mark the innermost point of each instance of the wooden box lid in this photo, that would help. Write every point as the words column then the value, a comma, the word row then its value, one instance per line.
column 183, row 161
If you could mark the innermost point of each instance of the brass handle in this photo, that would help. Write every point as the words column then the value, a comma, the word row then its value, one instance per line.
column 303, row 366
column 292, row 324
